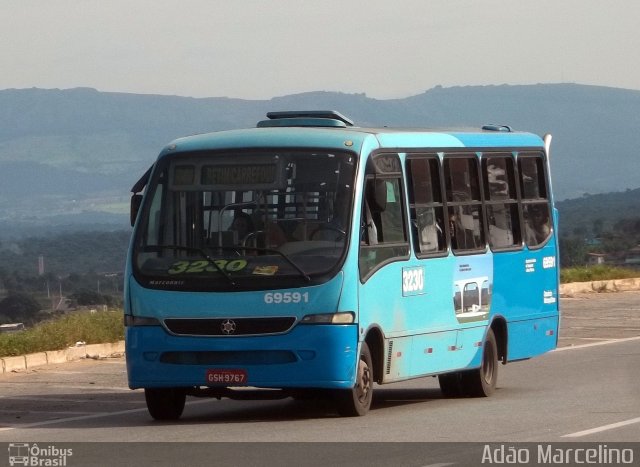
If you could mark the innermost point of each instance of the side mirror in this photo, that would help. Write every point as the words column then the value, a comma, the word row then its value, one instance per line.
column 136, row 201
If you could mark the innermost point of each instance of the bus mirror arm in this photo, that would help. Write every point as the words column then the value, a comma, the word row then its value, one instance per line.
column 136, row 201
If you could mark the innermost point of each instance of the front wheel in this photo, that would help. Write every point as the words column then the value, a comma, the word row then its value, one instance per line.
column 165, row 403
column 356, row 401
column 482, row 381
column 451, row 384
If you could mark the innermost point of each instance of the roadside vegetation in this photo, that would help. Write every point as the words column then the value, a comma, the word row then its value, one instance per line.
column 83, row 272
column 600, row 272
column 66, row 331
column 107, row 326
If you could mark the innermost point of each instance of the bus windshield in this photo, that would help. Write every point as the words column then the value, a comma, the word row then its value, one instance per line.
column 261, row 219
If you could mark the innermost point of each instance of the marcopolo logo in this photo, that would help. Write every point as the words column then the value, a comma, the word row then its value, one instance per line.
column 41, row 456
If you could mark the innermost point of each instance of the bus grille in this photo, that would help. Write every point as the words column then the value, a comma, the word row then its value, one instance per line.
column 228, row 327
column 250, row 357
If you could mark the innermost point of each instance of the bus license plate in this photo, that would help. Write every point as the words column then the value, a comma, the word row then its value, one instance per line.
column 235, row 377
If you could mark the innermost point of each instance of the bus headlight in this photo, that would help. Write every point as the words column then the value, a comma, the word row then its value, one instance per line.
column 345, row 317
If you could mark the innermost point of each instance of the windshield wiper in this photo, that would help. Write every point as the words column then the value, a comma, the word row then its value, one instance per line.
column 202, row 253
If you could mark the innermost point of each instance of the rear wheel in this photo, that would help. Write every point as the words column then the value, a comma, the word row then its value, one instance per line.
column 482, row 381
column 165, row 403
column 356, row 401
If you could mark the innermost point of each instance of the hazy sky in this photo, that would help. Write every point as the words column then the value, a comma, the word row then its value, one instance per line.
column 258, row 49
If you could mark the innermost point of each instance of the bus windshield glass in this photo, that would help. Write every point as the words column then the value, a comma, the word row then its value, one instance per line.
column 221, row 221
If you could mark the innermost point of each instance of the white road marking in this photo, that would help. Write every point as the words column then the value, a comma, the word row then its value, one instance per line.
column 93, row 387
column 85, row 417
column 40, row 399
column 594, row 344
column 612, row 426
column 68, row 419
column 32, row 412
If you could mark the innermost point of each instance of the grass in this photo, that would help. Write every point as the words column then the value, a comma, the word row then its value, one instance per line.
column 58, row 334
column 600, row 272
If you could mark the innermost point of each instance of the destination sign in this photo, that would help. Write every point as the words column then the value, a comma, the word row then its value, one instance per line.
column 237, row 175
column 184, row 175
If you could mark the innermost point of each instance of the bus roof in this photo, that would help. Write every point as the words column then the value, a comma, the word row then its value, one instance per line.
column 329, row 129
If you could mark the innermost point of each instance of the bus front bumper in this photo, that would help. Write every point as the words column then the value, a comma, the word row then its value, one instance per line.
column 309, row 356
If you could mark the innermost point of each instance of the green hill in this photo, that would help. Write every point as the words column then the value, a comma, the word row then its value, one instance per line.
column 592, row 213
column 75, row 153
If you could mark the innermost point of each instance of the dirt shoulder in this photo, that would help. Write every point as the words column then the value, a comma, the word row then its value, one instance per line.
column 615, row 285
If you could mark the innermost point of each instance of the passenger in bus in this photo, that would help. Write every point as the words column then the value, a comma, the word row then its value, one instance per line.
column 453, row 225
column 243, row 225
column 260, row 234
column 275, row 236
column 429, row 228
column 537, row 224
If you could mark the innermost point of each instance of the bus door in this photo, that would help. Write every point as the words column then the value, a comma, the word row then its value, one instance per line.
column 384, row 250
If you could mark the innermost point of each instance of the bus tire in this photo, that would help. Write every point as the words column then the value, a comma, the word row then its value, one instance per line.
column 482, row 381
column 355, row 402
column 451, row 384
column 165, row 403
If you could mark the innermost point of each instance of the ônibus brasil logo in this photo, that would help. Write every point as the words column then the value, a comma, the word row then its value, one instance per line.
column 33, row 455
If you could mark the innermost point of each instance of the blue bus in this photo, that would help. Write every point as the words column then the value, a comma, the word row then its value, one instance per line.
column 309, row 255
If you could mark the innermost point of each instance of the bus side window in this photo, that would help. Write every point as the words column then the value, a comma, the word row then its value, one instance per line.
column 426, row 207
column 464, row 203
column 535, row 203
column 501, row 201
column 538, row 225
column 383, row 233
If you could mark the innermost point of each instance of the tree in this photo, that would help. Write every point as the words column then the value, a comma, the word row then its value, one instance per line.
column 598, row 227
column 88, row 297
column 580, row 231
column 19, row 307
column 573, row 251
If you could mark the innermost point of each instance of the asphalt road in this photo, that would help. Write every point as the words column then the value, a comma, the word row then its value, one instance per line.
column 586, row 391
column 592, row 317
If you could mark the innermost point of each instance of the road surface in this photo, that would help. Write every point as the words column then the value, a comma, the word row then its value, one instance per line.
column 586, row 391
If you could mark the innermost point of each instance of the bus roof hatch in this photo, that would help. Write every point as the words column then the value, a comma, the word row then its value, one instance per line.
column 493, row 127
column 321, row 118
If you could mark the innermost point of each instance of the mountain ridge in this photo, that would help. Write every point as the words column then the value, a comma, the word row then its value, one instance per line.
column 97, row 143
